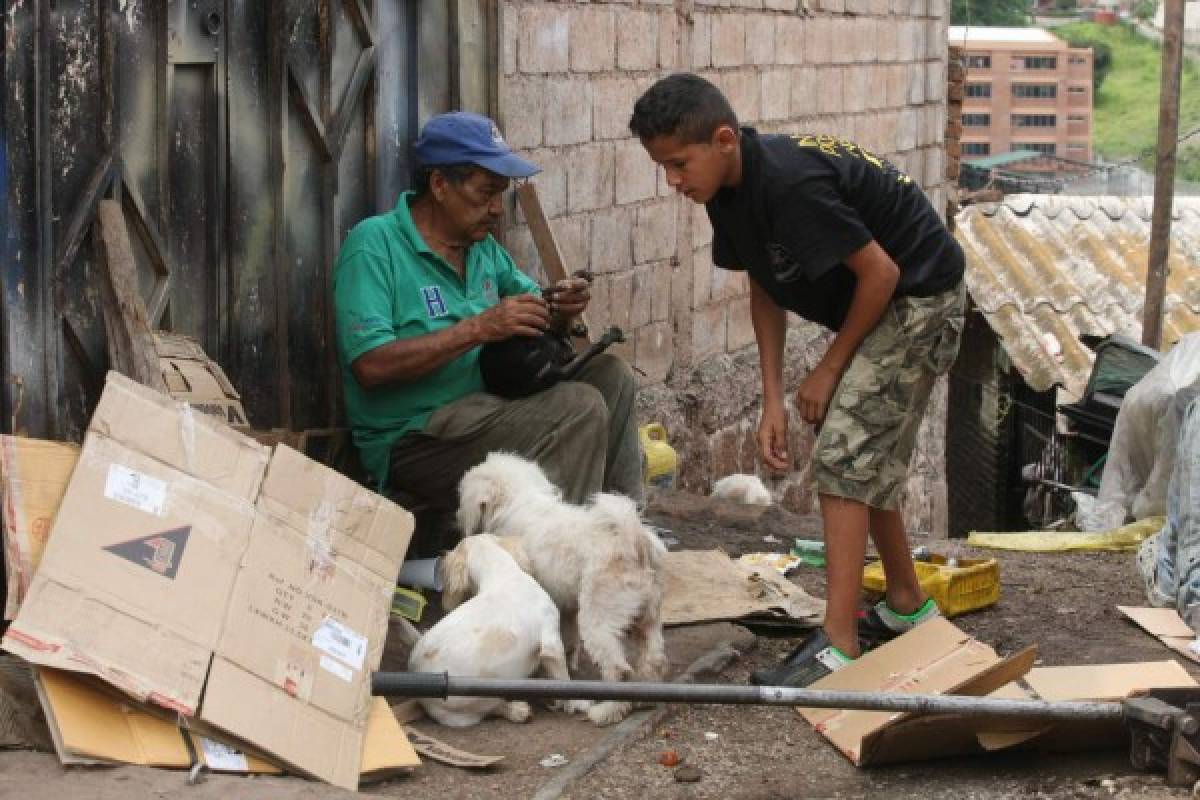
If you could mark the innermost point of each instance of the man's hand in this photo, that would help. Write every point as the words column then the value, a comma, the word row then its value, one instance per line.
column 518, row 315
column 569, row 297
column 815, row 392
column 772, row 436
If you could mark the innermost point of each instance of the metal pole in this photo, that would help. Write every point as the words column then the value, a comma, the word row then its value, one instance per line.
column 426, row 684
column 1164, row 173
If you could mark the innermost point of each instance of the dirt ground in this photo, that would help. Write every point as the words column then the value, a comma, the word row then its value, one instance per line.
column 1064, row 603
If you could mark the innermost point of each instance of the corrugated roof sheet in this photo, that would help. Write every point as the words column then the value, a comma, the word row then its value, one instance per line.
column 1045, row 269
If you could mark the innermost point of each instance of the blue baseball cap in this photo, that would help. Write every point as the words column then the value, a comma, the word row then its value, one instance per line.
column 461, row 137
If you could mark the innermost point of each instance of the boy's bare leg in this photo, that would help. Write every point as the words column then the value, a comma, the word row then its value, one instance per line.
column 904, row 594
column 845, row 546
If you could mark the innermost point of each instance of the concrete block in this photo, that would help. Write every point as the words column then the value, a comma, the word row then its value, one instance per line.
column 551, row 182
column 590, row 173
column 897, row 86
column 864, row 37
column 598, row 314
column 916, row 84
column 668, row 40
column 642, row 298
column 878, row 80
column 654, row 352
column 776, row 93
column 937, row 9
column 856, row 87
column 830, row 90
column 702, row 276
column 708, row 331
column 744, row 92
column 568, row 109
column 780, row 5
column 518, row 241
column 637, row 40
column 805, row 87
column 543, row 39
column 844, row 30
column 747, row 3
column 833, row 6
column 612, row 240
column 887, row 38
column 935, row 81
column 760, row 38
column 701, row 40
column 635, row 173
column 620, row 299
column 508, row 47
column 654, row 231
column 858, row 7
column 612, row 103
column 935, row 165
column 593, row 39
column 818, row 40
column 664, row 274
column 728, row 40
column 907, row 129
column 789, row 40
column 523, row 102
column 572, row 236
column 937, row 33
column 702, row 232
column 740, row 330
column 880, row 8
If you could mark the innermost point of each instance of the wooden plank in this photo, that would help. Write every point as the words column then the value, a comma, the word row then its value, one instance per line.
column 130, row 340
column 543, row 239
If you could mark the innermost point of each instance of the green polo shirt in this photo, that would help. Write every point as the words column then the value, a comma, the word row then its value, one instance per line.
column 389, row 285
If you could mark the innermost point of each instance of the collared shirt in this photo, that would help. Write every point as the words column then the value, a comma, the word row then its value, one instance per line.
column 389, row 285
column 805, row 203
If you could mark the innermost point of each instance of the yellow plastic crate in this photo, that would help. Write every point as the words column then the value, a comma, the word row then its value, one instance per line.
column 973, row 584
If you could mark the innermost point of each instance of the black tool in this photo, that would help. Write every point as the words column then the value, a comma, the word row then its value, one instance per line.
column 523, row 365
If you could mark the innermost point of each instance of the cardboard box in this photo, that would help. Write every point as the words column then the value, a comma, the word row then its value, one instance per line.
column 33, row 478
column 92, row 726
column 182, row 560
column 308, row 618
column 191, row 376
column 136, row 575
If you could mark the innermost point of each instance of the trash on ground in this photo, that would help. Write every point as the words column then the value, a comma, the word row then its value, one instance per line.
column 660, row 461
column 810, row 552
column 965, row 585
column 408, row 603
column 688, row 773
column 711, row 736
column 669, row 758
column 1126, row 537
column 709, row 586
column 780, row 562
column 554, row 760
column 1167, row 626
column 439, row 751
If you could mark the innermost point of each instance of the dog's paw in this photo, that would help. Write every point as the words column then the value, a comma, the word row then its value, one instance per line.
column 517, row 711
column 608, row 712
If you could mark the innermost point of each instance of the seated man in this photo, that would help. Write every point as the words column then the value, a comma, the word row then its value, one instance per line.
column 418, row 290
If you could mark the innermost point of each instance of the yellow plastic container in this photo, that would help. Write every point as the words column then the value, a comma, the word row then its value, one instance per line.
column 660, row 462
column 973, row 584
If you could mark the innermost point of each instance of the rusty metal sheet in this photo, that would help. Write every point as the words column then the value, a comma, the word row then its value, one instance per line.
column 1045, row 269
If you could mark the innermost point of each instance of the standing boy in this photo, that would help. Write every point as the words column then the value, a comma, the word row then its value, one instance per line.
column 839, row 236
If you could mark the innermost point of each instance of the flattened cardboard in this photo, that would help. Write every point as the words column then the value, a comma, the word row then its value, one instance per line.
column 1168, row 626
column 307, row 619
column 191, row 376
column 135, row 577
column 934, row 658
column 94, row 726
column 33, row 479
column 709, row 586
column 1106, row 681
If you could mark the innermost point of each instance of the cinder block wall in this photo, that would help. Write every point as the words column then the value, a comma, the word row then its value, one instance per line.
column 873, row 71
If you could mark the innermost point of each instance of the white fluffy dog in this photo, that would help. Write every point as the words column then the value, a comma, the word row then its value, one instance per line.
column 745, row 489
column 507, row 629
column 598, row 562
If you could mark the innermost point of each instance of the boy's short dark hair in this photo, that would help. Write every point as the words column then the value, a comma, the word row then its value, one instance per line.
column 682, row 105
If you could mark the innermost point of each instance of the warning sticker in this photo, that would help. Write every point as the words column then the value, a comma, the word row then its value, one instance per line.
column 341, row 642
column 136, row 489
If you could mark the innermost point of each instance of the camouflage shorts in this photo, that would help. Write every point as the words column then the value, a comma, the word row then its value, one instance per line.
column 866, row 442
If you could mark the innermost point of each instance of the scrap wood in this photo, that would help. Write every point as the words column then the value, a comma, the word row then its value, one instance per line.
column 1126, row 537
column 129, row 337
column 544, row 240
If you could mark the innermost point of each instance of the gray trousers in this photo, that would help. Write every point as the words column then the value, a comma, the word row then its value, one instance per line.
column 582, row 433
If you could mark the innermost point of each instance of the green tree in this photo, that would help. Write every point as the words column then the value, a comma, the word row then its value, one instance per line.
column 1102, row 52
column 1010, row 13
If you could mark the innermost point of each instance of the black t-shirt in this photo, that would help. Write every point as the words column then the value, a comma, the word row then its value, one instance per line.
column 805, row 203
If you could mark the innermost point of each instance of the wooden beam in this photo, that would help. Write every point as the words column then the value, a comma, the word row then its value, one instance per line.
column 130, row 340
column 543, row 239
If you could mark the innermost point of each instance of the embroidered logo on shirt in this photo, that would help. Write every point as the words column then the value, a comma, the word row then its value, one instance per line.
column 489, row 291
column 434, row 303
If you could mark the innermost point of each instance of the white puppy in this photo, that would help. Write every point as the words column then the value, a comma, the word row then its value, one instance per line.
column 598, row 562
column 507, row 629
column 740, row 488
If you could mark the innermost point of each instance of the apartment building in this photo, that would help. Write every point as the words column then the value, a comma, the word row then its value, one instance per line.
column 1025, row 89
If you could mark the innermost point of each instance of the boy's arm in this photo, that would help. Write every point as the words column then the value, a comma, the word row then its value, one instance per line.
column 877, row 277
column 770, row 331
